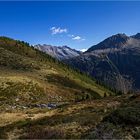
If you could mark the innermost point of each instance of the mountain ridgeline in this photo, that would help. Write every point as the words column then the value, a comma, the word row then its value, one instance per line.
column 114, row 62
column 59, row 52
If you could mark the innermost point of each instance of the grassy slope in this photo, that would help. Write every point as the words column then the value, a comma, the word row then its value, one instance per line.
column 30, row 76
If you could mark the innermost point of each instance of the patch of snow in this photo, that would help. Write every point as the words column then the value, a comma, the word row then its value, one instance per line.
column 83, row 50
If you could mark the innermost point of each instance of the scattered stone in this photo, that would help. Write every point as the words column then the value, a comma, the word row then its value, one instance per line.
column 17, row 99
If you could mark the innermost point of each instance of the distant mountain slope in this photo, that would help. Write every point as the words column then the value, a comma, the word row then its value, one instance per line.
column 60, row 53
column 30, row 77
column 137, row 36
column 115, row 41
column 115, row 62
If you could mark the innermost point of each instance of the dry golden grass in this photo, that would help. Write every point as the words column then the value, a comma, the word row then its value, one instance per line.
column 73, row 120
column 8, row 118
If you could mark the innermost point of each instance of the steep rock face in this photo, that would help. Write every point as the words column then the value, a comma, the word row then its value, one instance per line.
column 115, row 62
column 60, row 53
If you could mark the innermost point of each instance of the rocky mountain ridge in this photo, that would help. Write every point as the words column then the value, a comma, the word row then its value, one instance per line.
column 115, row 62
column 59, row 52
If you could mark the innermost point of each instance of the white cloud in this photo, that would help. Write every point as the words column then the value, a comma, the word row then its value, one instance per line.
column 83, row 50
column 76, row 38
column 58, row 30
column 73, row 37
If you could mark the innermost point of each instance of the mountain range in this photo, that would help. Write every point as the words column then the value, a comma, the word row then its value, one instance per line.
column 114, row 62
column 59, row 52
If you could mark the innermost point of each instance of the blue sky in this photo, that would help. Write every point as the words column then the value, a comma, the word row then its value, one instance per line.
column 76, row 24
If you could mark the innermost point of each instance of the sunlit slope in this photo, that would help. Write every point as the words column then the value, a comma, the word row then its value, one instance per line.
column 29, row 76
